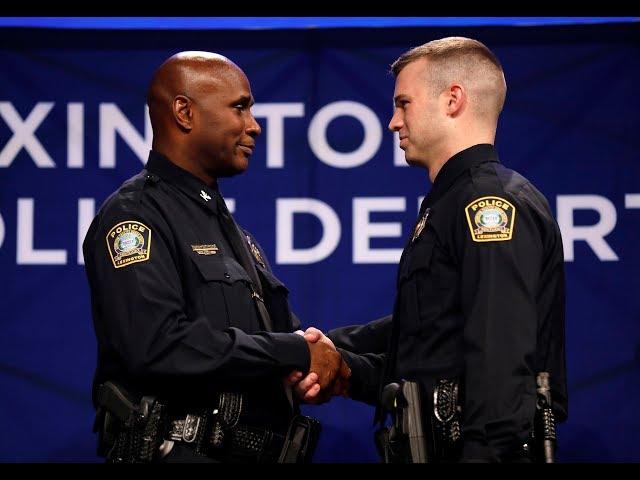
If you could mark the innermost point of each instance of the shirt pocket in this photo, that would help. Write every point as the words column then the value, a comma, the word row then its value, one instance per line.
column 418, row 291
column 276, row 297
column 225, row 294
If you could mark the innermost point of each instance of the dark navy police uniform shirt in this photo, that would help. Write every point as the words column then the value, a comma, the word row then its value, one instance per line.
column 480, row 298
column 172, row 306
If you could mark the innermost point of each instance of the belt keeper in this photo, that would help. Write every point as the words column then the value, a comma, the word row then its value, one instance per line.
column 186, row 430
column 217, row 432
column 190, row 431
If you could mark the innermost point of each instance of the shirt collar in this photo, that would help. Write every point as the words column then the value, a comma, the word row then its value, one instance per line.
column 458, row 164
column 192, row 186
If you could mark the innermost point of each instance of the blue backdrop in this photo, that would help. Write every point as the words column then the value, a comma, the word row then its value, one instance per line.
column 327, row 194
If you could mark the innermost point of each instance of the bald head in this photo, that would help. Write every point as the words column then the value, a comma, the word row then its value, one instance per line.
column 189, row 74
column 200, row 110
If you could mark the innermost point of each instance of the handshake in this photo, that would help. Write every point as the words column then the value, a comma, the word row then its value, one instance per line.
column 328, row 373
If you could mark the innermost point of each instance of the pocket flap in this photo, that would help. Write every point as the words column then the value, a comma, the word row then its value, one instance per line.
column 271, row 279
column 419, row 258
column 220, row 269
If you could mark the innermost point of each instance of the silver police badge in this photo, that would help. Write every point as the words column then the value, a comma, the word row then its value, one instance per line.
column 420, row 225
column 256, row 252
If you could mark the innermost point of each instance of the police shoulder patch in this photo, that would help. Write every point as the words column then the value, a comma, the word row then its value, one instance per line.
column 129, row 242
column 490, row 219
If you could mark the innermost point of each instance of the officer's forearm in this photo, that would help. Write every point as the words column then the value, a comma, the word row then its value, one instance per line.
column 366, row 371
column 372, row 337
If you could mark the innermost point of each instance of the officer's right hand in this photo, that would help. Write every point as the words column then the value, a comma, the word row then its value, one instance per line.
column 308, row 389
column 325, row 363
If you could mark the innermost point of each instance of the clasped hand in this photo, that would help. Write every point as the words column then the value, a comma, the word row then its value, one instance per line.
column 328, row 374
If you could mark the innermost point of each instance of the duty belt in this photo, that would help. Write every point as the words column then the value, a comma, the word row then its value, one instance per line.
column 240, row 441
column 216, row 433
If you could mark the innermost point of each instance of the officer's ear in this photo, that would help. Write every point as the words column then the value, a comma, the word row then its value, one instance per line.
column 455, row 100
column 183, row 112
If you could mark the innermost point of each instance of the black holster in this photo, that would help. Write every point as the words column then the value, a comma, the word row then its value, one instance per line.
column 544, row 422
column 129, row 430
column 301, row 440
column 404, row 440
column 425, row 429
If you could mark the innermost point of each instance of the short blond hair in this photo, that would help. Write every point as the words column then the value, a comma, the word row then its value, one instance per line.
column 461, row 59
